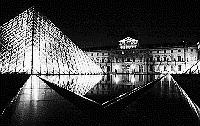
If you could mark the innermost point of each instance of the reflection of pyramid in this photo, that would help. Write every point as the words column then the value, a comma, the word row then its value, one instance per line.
column 78, row 84
column 31, row 43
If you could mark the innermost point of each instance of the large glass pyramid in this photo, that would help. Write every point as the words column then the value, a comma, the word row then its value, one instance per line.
column 33, row 44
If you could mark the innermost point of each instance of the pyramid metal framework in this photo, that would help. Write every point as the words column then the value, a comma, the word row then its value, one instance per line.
column 33, row 44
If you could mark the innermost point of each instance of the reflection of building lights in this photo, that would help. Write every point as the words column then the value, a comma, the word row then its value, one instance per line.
column 132, row 79
column 169, row 77
column 78, row 84
column 35, row 82
column 116, row 79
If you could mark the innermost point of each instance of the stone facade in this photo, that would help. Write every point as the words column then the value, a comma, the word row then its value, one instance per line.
column 176, row 59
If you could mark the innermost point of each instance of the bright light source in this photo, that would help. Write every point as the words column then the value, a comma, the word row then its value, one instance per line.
column 47, row 51
column 132, row 79
column 116, row 79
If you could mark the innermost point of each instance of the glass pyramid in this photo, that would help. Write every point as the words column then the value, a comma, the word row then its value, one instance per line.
column 33, row 44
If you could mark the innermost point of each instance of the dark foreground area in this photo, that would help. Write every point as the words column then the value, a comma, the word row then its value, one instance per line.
column 161, row 104
column 10, row 85
column 191, row 84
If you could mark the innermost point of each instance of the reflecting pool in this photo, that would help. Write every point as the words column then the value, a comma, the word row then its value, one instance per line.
column 165, row 103
column 111, row 86
column 101, row 88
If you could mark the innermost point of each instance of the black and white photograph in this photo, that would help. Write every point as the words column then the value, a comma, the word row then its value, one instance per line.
column 100, row 62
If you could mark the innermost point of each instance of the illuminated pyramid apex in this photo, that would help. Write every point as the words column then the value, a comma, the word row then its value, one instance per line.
column 33, row 44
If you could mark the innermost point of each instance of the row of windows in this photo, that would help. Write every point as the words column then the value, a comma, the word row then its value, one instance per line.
column 103, row 60
column 151, row 59
column 126, row 59
column 179, row 68
column 100, row 54
column 165, row 51
column 165, row 59
column 158, row 59
column 158, row 51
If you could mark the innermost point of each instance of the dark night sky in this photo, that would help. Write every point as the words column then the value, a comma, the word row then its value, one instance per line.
column 104, row 23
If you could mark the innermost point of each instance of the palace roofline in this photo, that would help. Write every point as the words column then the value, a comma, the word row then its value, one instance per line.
column 146, row 46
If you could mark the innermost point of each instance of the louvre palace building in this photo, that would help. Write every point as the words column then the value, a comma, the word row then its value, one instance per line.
column 129, row 57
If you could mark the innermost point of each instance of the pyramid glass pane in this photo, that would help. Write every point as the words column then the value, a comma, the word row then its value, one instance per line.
column 33, row 44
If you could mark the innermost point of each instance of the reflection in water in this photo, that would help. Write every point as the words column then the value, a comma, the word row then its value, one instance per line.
column 28, row 105
column 120, row 83
column 78, row 84
column 102, row 88
column 170, row 88
column 109, row 86
column 33, row 83
column 193, row 106
column 116, row 79
column 37, row 102
column 112, row 86
column 167, row 88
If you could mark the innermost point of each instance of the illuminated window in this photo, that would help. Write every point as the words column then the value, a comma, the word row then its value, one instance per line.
column 140, row 68
column 179, row 58
column 179, row 67
column 141, row 78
